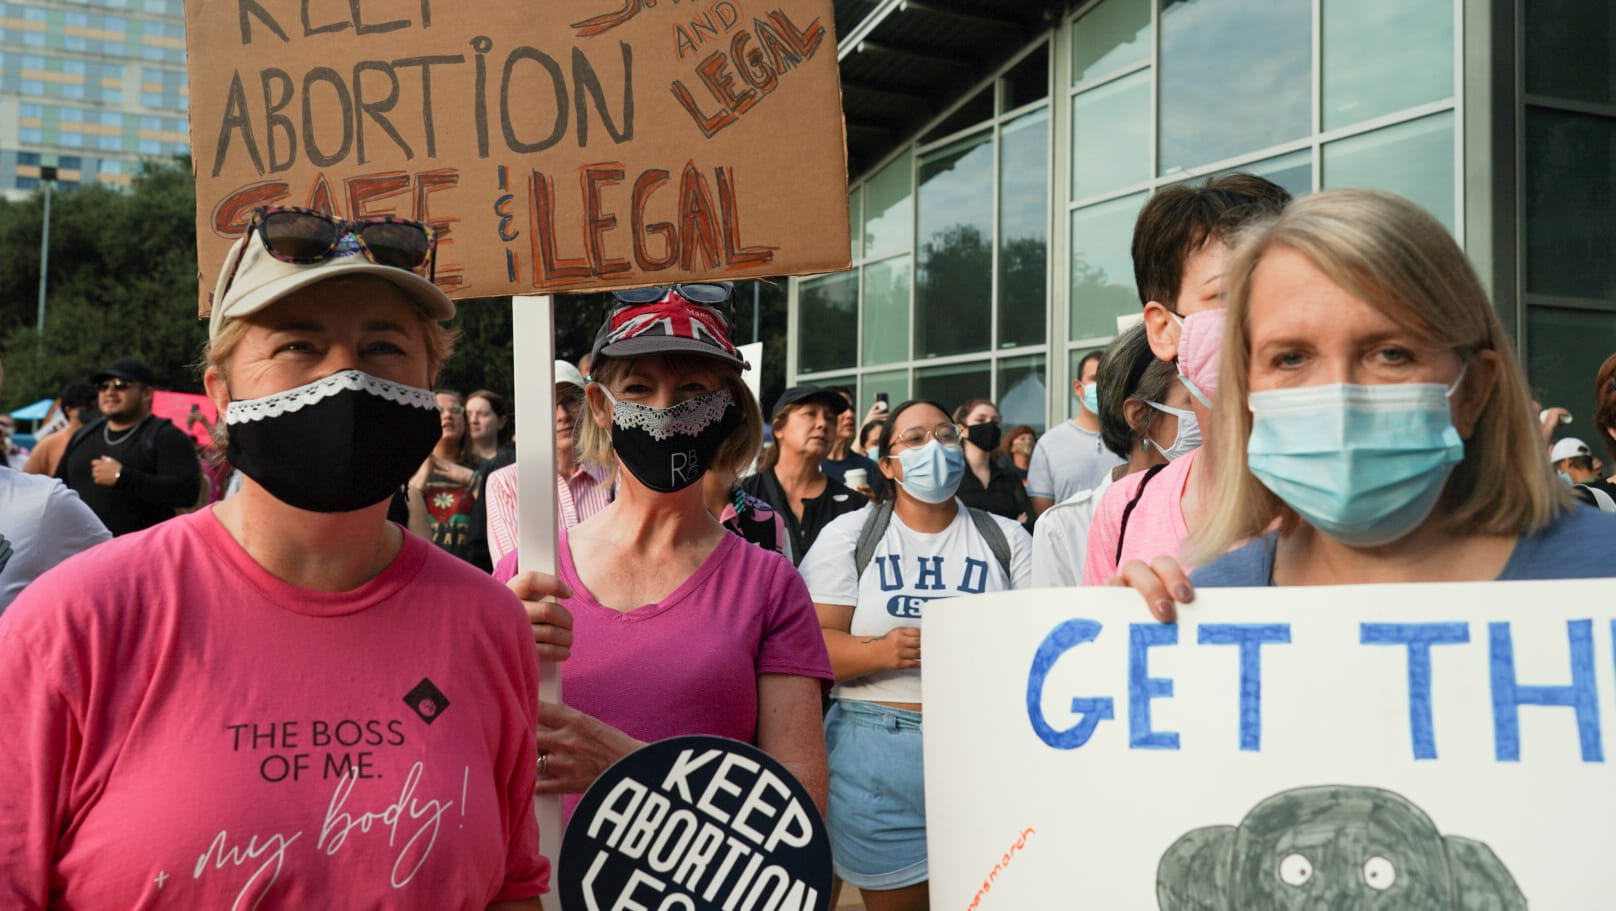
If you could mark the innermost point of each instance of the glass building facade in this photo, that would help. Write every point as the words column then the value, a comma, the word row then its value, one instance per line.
column 90, row 87
column 991, row 246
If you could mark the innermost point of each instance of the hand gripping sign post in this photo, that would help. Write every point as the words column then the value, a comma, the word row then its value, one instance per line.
column 696, row 824
column 1429, row 747
column 571, row 145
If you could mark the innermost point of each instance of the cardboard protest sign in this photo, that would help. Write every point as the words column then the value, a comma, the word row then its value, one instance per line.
column 566, row 145
column 696, row 823
column 1426, row 747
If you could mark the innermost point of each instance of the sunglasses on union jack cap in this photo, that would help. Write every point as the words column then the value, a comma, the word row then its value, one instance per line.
column 666, row 319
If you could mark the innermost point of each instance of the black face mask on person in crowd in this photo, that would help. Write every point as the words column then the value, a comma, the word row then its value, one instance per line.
column 337, row 444
column 984, row 436
column 669, row 449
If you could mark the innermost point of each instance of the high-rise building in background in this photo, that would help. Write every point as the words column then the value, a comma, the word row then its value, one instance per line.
column 89, row 87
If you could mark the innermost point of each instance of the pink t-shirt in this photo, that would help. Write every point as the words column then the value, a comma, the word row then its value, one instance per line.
column 183, row 730
column 1156, row 526
column 689, row 663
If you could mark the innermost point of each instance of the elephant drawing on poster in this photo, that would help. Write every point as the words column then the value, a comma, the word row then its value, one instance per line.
column 1336, row 847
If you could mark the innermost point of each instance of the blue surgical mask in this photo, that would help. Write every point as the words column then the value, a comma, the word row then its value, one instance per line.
column 1189, row 432
column 1091, row 397
column 1363, row 464
column 1566, row 478
column 931, row 473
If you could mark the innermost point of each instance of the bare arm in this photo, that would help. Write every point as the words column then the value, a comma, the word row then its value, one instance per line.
column 789, row 729
column 1039, row 504
column 854, row 656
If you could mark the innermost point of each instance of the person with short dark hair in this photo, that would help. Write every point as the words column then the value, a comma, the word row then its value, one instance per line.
column 789, row 478
column 132, row 468
column 77, row 402
column 842, row 456
column 987, row 483
column 1070, row 456
column 1181, row 246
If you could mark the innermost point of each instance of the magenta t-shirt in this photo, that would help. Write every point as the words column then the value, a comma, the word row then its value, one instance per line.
column 183, row 730
column 689, row 664
column 1156, row 527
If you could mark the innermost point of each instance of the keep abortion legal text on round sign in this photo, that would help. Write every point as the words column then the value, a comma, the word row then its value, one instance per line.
column 692, row 824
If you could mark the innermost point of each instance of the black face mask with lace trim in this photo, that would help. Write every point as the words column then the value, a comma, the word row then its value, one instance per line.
column 338, row 444
column 669, row 449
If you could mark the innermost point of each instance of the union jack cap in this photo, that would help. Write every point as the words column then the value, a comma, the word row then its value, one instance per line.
column 667, row 326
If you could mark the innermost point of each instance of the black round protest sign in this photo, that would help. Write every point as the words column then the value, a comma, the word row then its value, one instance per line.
column 692, row 824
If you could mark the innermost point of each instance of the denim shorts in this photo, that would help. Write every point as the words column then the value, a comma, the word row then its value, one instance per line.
column 877, row 812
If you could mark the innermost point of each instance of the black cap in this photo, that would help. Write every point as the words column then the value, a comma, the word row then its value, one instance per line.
column 127, row 368
column 810, row 393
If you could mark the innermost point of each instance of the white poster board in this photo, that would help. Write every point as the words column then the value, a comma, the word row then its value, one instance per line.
column 1404, row 738
column 752, row 353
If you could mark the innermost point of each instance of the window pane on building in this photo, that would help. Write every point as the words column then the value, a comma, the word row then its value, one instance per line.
column 855, row 221
column 1414, row 160
column 1571, row 49
column 895, row 383
column 950, row 385
column 1564, row 350
column 886, row 311
column 1023, row 395
column 1235, row 77
column 1293, row 171
column 1112, row 35
column 1102, row 266
column 1360, row 36
column 1570, row 203
column 888, row 219
column 827, row 323
column 1111, row 136
column 954, row 244
column 1024, row 230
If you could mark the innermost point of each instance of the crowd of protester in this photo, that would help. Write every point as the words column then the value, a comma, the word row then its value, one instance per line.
column 1317, row 391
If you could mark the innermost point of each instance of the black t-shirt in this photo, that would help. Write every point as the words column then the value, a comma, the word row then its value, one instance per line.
column 1004, row 494
column 477, row 539
column 161, row 472
column 837, row 499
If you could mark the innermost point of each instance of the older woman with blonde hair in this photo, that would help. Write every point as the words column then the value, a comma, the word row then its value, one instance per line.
column 1373, row 411
column 221, row 710
column 680, row 627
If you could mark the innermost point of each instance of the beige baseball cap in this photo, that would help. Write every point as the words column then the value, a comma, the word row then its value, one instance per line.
column 251, row 280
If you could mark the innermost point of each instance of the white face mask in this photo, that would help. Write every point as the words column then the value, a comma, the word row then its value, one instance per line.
column 1189, row 432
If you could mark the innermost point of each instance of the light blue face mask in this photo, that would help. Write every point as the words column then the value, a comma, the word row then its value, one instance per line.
column 1363, row 464
column 931, row 473
column 1189, row 432
column 1091, row 397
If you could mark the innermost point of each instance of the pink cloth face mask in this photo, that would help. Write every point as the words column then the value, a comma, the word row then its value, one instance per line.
column 1200, row 343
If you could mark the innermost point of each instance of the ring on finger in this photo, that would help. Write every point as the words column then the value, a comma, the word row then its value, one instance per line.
column 544, row 763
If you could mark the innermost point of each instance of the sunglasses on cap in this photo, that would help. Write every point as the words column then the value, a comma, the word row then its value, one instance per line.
column 305, row 236
column 705, row 293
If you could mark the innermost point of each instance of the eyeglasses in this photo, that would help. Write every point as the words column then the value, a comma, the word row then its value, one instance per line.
column 118, row 384
column 305, row 236
column 706, row 293
column 456, row 410
column 946, row 434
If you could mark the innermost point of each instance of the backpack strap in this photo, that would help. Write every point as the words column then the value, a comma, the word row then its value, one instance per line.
column 1598, row 497
column 994, row 536
column 1122, row 533
column 875, row 525
column 73, row 442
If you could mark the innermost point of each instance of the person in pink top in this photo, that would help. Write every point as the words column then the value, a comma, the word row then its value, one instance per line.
column 264, row 703
column 679, row 626
column 1181, row 243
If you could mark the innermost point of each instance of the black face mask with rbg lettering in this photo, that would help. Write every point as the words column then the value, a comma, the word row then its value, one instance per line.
column 338, row 444
column 669, row 449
